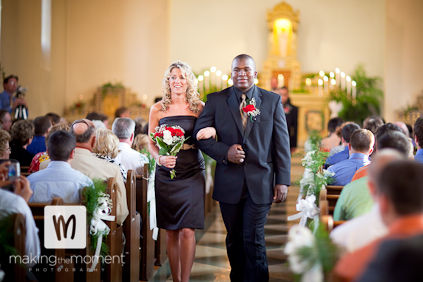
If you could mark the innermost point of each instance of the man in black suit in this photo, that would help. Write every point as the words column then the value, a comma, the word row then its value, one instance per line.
column 291, row 115
column 253, row 164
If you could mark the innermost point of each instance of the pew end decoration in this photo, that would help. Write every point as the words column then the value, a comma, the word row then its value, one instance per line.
column 99, row 206
column 314, row 179
column 311, row 256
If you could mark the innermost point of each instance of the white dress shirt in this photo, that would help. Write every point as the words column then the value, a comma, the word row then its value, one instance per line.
column 130, row 158
column 360, row 231
column 59, row 179
column 11, row 203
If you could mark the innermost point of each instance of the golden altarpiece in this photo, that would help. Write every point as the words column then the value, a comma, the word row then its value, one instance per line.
column 282, row 68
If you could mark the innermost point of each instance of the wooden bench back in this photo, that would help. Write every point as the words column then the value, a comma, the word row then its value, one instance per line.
column 147, row 243
column 329, row 223
column 15, row 231
column 332, row 196
column 132, row 228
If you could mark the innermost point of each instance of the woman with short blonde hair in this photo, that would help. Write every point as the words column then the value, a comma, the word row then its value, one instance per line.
column 106, row 147
column 4, row 144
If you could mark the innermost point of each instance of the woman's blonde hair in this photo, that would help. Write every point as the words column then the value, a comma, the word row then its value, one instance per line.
column 106, row 143
column 192, row 95
column 140, row 142
column 4, row 141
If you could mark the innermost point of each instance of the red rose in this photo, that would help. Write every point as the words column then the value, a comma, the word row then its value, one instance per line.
column 178, row 132
column 249, row 108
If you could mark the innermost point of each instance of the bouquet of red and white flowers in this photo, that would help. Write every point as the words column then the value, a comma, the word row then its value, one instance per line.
column 169, row 139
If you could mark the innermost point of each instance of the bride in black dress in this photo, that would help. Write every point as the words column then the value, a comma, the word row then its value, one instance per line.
column 180, row 201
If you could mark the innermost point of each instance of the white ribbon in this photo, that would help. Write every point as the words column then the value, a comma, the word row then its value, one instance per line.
column 151, row 198
column 1, row 275
column 307, row 209
column 101, row 212
column 209, row 178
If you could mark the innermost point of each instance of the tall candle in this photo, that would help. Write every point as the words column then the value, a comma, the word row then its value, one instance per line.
column 320, row 87
column 354, row 90
column 337, row 73
column 206, row 81
column 343, row 80
column 201, row 84
column 281, row 80
column 348, row 85
column 326, row 84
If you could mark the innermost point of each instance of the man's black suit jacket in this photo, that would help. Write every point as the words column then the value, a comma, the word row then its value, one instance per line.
column 265, row 142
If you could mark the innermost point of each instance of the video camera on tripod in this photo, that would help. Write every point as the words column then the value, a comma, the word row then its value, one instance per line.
column 21, row 110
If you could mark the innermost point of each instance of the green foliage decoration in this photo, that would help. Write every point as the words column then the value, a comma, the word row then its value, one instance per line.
column 368, row 99
column 90, row 196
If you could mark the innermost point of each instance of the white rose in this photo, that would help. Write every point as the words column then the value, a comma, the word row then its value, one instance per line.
column 167, row 137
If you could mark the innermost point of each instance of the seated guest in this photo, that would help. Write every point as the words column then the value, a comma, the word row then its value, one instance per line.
column 418, row 138
column 361, row 147
column 22, row 132
column 4, row 144
column 122, row 112
column 400, row 199
column 54, row 118
column 346, row 132
column 87, row 163
column 355, row 199
column 350, row 235
column 5, row 120
column 124, row 128
column 41, row 160
column 16, row 202
column 387, row 142
column 333, row 139
column 93, row 116
column 373, row 123
column 42, row 126
column 59, row 179
column 396, row 260
column 140, row 142
column 106, row 147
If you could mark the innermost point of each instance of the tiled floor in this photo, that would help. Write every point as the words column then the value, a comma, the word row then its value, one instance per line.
column 211, row 263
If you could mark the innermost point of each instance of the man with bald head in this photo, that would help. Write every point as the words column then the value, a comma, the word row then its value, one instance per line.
column 253, row 164
column 87, row 163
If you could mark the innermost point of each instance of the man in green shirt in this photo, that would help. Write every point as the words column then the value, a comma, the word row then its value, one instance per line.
column 355, row 200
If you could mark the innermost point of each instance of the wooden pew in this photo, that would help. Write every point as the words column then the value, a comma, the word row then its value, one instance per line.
column 114, row 239
column 15, row 227
column 325, row 218
column 329, row 223
column 147, row 243
column 37, row 210
column 25, row 170
column 160, row 248
column 332, row 196
column 131, row 227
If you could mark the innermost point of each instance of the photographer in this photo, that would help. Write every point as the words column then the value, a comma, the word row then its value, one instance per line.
column 10, row 103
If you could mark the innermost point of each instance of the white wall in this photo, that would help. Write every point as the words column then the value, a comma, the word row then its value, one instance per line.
column 404, row 55
column 331, row 33
column 93, row 42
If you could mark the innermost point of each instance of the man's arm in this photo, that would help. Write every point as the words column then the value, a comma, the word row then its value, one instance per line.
column 281, row 151
column 216, row 150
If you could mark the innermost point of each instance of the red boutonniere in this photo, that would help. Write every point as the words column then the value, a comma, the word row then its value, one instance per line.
column 251, row 109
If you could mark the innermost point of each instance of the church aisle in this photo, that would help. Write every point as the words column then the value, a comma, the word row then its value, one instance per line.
column 211, row 263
